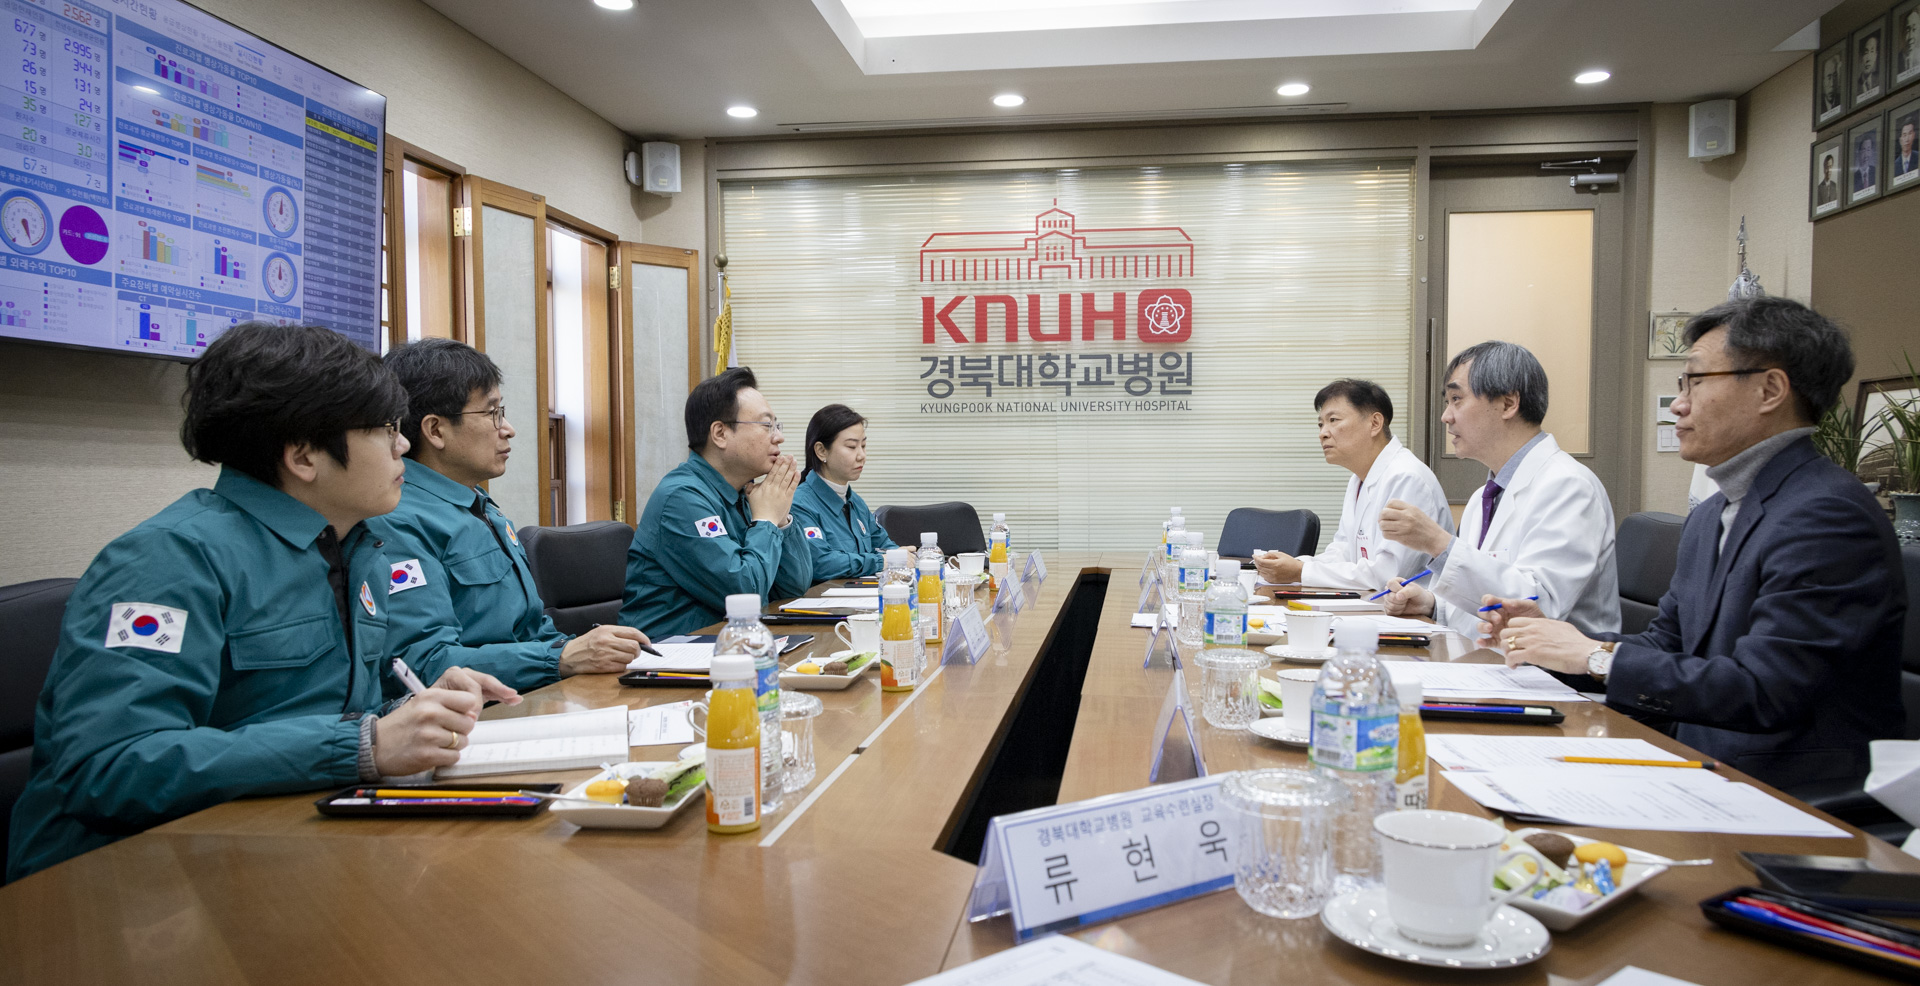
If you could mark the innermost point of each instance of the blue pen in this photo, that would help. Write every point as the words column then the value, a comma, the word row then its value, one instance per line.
column 1780, row 921
column 1489, row 609
column 1423, row 574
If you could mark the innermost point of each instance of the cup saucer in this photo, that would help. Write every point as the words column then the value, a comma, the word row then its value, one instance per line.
column 1286, row 653
column 1360, row 919
column 1275, row 729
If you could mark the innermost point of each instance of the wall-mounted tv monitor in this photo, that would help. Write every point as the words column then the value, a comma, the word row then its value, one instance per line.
column 165, row 175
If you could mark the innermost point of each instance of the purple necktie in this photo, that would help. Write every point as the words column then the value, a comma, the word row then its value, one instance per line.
column 1489, row 499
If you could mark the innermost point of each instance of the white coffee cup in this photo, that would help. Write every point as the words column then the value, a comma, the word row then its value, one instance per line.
column 1307, row 633
column 1439, row 873
column 860, row 632
column 972, row 562
column 1296, row 698
column 1249, row 581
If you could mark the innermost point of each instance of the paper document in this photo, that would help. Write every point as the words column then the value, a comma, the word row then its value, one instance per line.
column 550, row 742
column 1056, row 961
column 675, row 657
column 1464, row 751
column 1527, row 683
column 853, row 592
column 1658, row 798
column 868, row 602
column 660, row 725
column 1361, row 605
column 1169, row 617
column 1633, row 975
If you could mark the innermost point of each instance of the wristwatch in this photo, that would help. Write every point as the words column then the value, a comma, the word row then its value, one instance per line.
column 1601, row 660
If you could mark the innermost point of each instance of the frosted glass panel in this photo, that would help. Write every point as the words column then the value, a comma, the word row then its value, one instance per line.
column 1527, row 277
column 659, row 374
column 508, row 275
column 1080, row 348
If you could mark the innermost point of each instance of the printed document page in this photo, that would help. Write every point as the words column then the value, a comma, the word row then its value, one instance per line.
column 1674, row 801
column 1525, row 683
column 1056, row 961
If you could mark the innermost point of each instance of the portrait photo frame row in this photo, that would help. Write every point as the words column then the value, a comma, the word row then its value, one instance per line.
column 1878, row 59
column 1871, row 159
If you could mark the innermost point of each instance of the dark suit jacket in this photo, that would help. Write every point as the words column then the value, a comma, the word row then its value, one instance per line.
column 1781, row 654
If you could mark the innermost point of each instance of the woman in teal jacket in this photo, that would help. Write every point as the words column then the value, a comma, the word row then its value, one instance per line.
column 845, row 539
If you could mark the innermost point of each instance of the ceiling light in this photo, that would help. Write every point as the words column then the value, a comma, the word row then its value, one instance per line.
column 1293, row 89
column 614, row 4
column 742, row 112
column 1009, row 100
column 1596, row 75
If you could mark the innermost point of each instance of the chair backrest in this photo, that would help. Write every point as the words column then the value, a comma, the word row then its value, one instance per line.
column 31, row 612
column 1910, row 647
column 1646, row 550
column 956, row 523
column 1250, row 529
column 580, row 570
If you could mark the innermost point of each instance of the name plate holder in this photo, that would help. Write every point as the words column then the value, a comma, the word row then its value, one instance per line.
column 1068, row 866
column 1163, row 649
column 1179, row 702
column 1151, row 598
column 967, row 639
column 1036, row 567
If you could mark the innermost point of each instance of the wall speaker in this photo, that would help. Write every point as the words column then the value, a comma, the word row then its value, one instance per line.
column 655, row 167
column 1710, row 129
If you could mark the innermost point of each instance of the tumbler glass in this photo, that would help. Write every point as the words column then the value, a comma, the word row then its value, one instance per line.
column 1281, row 821
column 797, row 712
column 1230, row 686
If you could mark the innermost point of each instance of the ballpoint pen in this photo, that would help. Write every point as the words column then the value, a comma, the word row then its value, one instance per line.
column 1423, row 574
column 1491, row 607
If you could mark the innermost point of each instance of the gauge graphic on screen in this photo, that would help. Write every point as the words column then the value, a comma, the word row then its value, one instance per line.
column 24, row 221
column 281, row 211
column 279, row 277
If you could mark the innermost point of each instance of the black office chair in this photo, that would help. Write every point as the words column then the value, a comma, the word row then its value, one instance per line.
column 1846, row 798
column 1250, row 529
column 580, row 570
column 956, row 523
column 31, row 612
column 1646, row 549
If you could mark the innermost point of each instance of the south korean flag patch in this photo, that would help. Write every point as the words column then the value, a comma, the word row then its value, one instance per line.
column 710, row 527
column 146, row 626
column 406, row 575
column 814, row 534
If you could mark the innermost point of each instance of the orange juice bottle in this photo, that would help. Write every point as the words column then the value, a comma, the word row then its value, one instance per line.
column 931, row 616
column 899, row 650
column 997, row 552
column 733, row 747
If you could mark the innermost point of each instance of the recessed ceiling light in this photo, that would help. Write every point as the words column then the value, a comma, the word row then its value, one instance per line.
column 614, row 4
column 1293, row 89
column 742, row 112
column 1596, row 75
column 1009, row 100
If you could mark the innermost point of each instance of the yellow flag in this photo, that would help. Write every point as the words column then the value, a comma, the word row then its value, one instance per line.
column 723, row 328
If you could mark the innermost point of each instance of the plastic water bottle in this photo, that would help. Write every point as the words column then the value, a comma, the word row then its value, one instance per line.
column 1166, row 526
column 1170, row 547
column 745, row 635
column 1192, row 595
column 1226, row 607
column 900, row 571
column 928, row 606
column 1355, row 741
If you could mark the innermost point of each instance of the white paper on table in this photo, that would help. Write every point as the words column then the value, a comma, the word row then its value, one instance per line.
column 1673, row 800
column 868, row 602
column 548, row 742
column 1344, row 605
column 1894, row 780
column 675, row 657
column 1633, row 975
column 1055, row 961
column 853, row 592
column 660, row 725
column 1446, row 680
column 1465, row 751
column 1169, row 618
column 1275, row 617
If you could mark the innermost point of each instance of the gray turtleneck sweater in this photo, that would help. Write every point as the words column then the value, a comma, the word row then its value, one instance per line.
column 1736, row 475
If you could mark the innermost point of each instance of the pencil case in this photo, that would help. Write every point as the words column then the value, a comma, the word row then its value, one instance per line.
column 1717, row 910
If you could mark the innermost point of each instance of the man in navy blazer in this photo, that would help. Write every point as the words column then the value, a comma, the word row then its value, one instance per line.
column 1777, row 647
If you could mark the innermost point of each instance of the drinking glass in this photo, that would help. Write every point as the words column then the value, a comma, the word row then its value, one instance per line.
column 797, row 712
column 1230, row 686
column 1281, row 821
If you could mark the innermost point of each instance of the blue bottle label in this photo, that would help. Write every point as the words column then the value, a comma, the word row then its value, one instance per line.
column 766, row 688
column 1359, row 743
column 1226, row 629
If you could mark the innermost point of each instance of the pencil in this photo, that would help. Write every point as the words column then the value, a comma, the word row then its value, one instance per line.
column 390, row 792
column 1698, row 764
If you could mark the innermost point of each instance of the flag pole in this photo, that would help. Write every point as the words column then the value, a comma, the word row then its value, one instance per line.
column 723, row 323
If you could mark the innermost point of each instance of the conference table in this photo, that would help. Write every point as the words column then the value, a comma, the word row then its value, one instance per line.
column 846, row 884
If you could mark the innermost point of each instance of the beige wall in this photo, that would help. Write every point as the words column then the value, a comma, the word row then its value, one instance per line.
column 681, row 220
column 1697, row 208
column 88, row 442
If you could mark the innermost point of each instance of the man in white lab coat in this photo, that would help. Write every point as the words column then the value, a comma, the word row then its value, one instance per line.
column 1355, row 434
column 1541, row 526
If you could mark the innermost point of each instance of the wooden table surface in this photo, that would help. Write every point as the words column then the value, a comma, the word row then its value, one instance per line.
column 843, row 885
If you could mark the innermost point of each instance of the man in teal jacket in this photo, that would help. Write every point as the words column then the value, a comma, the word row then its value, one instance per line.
column 845, row 539
column 461, row 591
column 230, row 645
column 710, row 530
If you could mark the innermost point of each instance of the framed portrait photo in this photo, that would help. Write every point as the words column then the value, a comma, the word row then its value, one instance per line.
column 1903, row 40
column 1903, row 146
column 1830, row 84
column 1664, row 340
column 1826, row 178
column 1869, row 63
column 1863, row 162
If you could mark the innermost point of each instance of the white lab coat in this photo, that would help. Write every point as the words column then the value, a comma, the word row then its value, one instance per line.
column 1360, row 557
column 1552, row 536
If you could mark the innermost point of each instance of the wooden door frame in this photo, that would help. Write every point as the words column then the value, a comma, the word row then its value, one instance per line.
column 477, row 193
column 626, row 254
column 398, row 153
column 620, row 450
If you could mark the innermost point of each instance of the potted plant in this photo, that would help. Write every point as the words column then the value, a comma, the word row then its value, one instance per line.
column 1900, row 420
column 1837, row 436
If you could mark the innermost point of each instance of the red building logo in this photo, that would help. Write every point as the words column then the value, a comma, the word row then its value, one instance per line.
column 1056, row 246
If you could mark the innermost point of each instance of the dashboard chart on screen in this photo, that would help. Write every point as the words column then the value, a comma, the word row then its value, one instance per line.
column 165, row 175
